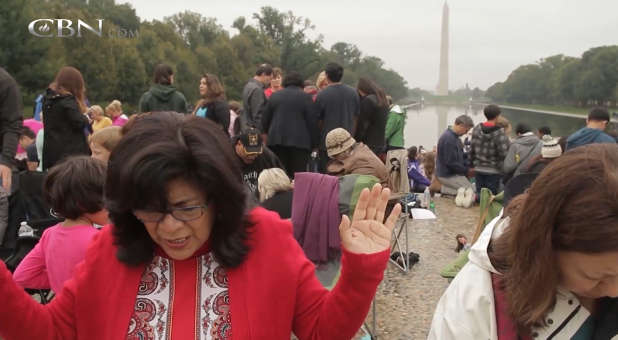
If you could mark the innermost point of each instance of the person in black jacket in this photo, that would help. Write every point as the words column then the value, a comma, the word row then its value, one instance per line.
column 64, row 118
column 10, row 125
column 372, row 118
column 213, row 104
column 290, row 121
column 276, row 191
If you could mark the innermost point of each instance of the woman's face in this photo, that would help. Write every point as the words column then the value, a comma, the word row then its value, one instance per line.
column 590, row 276
column 112, row 113
column 203, row 87
column 181, row 239
column 276, row 82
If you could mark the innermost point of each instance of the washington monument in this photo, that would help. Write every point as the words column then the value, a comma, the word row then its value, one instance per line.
column 442, row 89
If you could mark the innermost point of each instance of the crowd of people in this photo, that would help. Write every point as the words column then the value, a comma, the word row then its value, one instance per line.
column 190, row 206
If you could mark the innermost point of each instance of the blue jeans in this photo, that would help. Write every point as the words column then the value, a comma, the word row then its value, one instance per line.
column 489, row 181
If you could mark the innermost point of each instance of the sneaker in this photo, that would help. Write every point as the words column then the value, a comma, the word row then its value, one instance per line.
column 469, row 197
column 460, row 197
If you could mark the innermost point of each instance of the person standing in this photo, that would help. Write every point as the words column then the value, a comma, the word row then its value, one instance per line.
column 163, row 96
column 290, row 122
column 114, row 111
column 338, row 107
column 64, row 117
column 395, row 122
column 275, row 83
column 11, row 121
column 213, row 104
column 597, row 121
column 99, row 120
column 253, row 97
column 489, row 147
column 371, row 125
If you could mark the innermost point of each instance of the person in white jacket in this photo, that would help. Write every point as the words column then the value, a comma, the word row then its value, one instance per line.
column 551, row 270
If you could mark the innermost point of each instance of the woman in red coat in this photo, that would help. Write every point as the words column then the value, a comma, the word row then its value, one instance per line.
column 182, row 262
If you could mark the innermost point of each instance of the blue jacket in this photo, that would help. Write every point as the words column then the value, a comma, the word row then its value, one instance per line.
column 586, row 136
column 450, row 160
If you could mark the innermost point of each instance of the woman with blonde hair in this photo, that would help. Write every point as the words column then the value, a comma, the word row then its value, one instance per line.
column 99, row 120
column 276, row 191
column 64, row 117
column 321, row 82
column 212, row 104
column 114, row 111
column 548, row 271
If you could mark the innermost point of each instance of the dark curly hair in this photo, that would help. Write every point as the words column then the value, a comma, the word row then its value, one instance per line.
column 159, row 148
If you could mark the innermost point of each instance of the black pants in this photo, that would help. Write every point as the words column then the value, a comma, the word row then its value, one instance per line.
column 293, row 159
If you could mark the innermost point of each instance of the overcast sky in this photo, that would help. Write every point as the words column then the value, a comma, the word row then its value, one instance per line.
column 489, row 38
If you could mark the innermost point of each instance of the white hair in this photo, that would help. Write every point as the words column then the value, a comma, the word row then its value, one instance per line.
column 271, row 181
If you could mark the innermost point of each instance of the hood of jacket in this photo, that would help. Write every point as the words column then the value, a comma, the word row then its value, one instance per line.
column 528, row 139
column 583, row 136
column 484, row 132
column 162, row 92
column 53, row 95
column 397, row 110
column 478, row 252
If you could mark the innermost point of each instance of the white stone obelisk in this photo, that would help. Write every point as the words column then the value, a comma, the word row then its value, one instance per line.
column 442, row 89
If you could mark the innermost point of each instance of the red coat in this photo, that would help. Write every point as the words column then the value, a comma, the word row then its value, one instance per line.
column 273, row 292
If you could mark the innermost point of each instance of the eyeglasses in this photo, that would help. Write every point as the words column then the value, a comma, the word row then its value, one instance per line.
column 184, row 214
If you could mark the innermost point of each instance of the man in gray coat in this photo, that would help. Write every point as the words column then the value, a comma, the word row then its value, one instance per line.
column 253, row 98
column 11, row 121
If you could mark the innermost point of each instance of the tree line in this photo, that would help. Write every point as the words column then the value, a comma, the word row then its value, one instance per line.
column 561, row 80
column 119, row 64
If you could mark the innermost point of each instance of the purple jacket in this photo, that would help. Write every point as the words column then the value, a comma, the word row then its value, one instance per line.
column 315, row 215
column 415, row 176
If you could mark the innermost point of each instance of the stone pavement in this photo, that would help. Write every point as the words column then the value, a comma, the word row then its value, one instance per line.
column 406, row 301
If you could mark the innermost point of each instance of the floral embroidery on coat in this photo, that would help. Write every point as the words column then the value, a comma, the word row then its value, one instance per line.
column 151, row 319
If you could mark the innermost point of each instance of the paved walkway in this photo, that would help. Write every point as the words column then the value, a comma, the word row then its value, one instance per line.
column 406, row 302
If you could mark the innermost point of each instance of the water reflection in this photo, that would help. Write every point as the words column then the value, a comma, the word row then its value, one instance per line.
column 424, row 125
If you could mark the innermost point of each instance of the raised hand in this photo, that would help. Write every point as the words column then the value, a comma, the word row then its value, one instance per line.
column 368, row 233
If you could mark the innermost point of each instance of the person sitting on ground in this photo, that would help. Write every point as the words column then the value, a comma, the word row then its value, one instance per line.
column 418, row 182
column 212, row 104
column 27, row 142
column 549, row 151
column 543, row 130
column 162, row 95
column 462, row 243
column 185, row 256
column 547, row 272
column 428, row 164
column 254, row 158
column 349, row 157
column 525, row 147
column 74, row 190
column 114, row 111
column 276, row 192
column 597, row 121
column 99, row 120
column 489, row 147
column 395, row 122
column 451, row 169
column 103, row 142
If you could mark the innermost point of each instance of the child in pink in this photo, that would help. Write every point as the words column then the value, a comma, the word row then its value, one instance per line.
column 74, row 190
